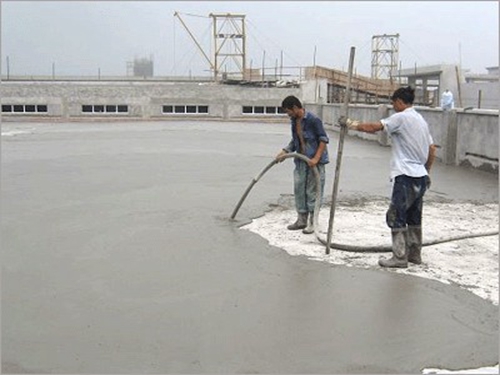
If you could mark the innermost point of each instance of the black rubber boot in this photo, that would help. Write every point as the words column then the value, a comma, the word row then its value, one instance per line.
column 399, row 256
column 414, row 244
column 301, row 222
column 310, row 225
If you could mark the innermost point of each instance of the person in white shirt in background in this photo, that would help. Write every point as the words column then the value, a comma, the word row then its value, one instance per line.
column 413, row 153
column 447, row 102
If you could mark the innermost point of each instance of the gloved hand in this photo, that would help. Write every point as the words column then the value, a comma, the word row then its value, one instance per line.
column 350, row 123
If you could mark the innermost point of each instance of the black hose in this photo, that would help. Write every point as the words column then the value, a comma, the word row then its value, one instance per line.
column 339, row 246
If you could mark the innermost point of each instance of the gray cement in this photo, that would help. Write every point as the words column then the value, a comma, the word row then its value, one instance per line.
column 119, row 257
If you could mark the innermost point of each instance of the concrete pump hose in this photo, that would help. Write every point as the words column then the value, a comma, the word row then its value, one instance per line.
column 269, row 166
column 339, row 246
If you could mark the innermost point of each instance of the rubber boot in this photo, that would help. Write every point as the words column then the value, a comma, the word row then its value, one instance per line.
column 399, row 257
column 301, row 222
column 414, row 244
column 310, row 224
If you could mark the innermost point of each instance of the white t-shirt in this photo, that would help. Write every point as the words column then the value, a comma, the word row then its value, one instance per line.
column 410, row 142
column 447, row 100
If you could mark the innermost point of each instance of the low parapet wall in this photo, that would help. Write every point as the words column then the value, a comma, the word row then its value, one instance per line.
column 468, row 138
column 137, row 100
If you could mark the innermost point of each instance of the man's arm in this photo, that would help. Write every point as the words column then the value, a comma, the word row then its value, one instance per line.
column 430, row 158
column 366, row 127
column 369, row 127
column 317, row 157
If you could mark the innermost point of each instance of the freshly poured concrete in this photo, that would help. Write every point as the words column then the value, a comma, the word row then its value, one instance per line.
column 119, row 257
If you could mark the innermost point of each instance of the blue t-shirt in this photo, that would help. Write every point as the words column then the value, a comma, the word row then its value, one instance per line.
column 313, row 132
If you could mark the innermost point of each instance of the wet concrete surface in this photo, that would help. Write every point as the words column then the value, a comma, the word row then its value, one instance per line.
column 119, row 257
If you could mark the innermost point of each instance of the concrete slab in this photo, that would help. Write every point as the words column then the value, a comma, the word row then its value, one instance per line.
column 119, row 257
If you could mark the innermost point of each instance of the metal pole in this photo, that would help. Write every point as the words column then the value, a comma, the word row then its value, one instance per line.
column 315, row 78
column 8, row 68
column 263, row 66
column 215, row 66
column 176, row 14
column 399, row 73
column 458, row 87
column 281, row 66
column 343, row 132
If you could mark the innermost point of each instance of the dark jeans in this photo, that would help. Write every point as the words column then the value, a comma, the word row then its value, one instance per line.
column 406, row 202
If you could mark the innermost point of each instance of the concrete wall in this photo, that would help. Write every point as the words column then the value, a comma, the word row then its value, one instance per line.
column 477, row 140
column 314, row 90
column 144, row 99
column 462, row 137
column 490, row 95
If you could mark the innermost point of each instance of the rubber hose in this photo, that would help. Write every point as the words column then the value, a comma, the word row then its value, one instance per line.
column 339, row 246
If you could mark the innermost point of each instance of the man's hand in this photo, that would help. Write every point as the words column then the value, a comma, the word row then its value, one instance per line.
column 313, row 162
column 279, row 158
column 350, row 123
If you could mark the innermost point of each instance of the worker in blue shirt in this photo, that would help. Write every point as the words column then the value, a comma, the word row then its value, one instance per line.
column 310, row 139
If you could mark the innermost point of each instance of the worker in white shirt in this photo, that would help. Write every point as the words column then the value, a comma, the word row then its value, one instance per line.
column 447, row 102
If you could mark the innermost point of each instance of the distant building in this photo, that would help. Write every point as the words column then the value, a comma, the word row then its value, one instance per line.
column 493, row 70
column 491, row 76
column 482, row 90
column 469, row 89
column 141, row 67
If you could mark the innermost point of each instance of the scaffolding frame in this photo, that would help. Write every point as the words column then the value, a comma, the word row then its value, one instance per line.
column 385, row 56
column 229, row 37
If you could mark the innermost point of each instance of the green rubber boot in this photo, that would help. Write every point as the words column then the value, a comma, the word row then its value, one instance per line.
column 414, row 244
column 310, row 224
column 399, row 257
column 301, row 222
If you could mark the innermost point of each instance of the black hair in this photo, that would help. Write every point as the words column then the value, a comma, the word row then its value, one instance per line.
column 406, row 94
column 291, row 101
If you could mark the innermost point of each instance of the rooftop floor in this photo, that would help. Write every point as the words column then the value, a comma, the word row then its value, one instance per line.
column 119, row 257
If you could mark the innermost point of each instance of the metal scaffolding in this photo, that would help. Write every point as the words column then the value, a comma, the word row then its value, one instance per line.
column 229, row 41
column 229, row 45
column 385, row 56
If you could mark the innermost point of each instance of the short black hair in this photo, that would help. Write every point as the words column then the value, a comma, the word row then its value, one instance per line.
column 406, row 94
column 291, row 101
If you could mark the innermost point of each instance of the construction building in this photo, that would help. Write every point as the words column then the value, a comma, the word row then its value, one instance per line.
column 141, row 67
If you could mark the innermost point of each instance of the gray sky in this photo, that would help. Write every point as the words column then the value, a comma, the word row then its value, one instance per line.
column 82, row 37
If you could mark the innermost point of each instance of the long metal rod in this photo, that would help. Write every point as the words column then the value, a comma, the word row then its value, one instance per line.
column 343, row 132
column 176, row 14
column 458, row 86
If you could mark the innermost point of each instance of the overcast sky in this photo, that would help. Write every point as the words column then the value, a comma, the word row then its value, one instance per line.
column 80, row 38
